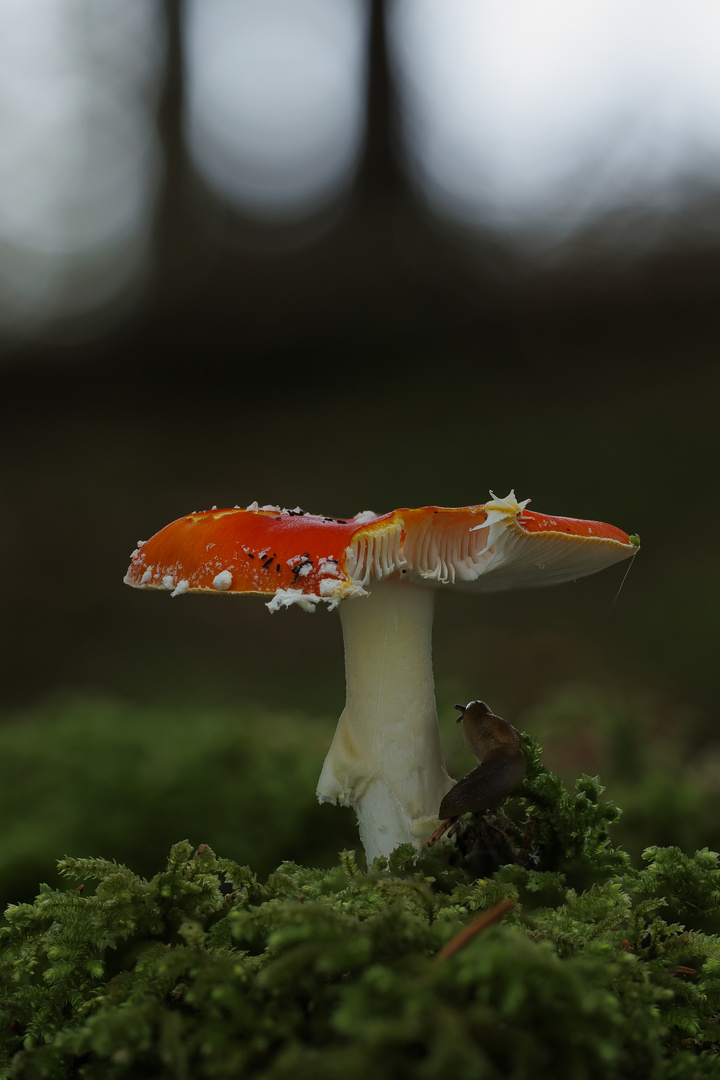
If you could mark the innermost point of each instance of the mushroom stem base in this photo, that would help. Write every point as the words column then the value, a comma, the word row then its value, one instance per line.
column 385, row 759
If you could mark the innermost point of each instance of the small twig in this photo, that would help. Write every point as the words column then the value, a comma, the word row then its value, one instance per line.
column 468, row 932
column 527, row 842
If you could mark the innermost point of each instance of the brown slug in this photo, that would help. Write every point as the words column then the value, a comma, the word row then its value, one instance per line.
column 497, row 746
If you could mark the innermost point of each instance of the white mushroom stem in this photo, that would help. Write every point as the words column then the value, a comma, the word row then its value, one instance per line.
column 385, row 759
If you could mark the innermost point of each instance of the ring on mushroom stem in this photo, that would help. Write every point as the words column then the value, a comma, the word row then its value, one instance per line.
column 382, row 571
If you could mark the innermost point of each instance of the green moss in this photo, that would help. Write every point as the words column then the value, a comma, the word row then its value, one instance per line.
column 89, row 774
column 600, row 970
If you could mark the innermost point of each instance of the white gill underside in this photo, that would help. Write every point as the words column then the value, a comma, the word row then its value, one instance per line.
column 427, row 553
column 494, row 555
column 375, row 555
column 453, row 553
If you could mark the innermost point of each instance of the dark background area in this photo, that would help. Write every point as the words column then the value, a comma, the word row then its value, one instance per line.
column 380, row 358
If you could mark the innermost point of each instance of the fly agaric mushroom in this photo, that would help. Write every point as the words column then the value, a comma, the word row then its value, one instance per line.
column 385, row 759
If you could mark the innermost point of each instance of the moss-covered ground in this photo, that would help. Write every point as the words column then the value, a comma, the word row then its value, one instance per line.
column 595, row 964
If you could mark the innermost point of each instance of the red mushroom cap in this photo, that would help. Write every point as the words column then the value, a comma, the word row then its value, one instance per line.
column 305, row 558
column 253, row 550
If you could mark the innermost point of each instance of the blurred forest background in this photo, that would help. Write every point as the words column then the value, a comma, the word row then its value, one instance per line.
column 348, row 256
